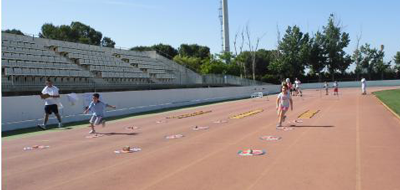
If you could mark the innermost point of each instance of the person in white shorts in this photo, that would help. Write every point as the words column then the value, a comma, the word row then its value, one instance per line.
column 363, row 86
column 98, row 108
column 50, row 95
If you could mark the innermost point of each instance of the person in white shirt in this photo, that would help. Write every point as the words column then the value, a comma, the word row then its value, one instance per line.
column 363, row 86
column 335, row 88
column 297, row 87
column 326, row 86
column 51, row 98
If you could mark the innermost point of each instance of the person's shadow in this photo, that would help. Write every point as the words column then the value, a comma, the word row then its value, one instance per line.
column 113, row 133
column 312, row 126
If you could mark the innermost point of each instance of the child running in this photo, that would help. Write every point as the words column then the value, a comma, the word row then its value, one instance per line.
column 283, row 102
column 98, row 109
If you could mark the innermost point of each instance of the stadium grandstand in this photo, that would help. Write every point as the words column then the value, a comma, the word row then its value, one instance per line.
column 28, row 61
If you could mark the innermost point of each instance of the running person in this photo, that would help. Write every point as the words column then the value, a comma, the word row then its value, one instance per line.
column 297, row 83
column 98, row 109
column 50, row 95
column 283, row 101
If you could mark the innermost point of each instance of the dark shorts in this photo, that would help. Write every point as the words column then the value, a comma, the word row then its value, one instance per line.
column 51, row 109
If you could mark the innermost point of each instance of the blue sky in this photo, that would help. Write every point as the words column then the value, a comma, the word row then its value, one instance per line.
column 146, row 22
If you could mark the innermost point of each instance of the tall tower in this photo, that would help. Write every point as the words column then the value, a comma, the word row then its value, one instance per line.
column 224, row 25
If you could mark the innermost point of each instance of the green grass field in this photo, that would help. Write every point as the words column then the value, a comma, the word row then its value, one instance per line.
column 391, row 98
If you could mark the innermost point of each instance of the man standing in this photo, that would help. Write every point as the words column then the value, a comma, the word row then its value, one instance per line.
column 363, row 86
column 50, row 95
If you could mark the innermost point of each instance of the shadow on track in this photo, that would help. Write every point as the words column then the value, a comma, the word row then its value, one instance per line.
column 312, row 126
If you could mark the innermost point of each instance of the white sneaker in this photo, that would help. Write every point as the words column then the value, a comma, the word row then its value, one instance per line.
column 92, row 132
column 41, row 126
column 59, row 125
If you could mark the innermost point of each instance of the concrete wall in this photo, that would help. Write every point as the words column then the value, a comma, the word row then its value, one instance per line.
column 27, row 111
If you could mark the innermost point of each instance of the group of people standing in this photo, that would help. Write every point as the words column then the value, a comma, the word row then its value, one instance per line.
column 335, row 88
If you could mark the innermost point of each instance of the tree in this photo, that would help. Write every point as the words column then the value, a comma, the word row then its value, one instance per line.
column 13, row 31
column 192, row 63
column 75, row 32
column 397, row 61
column 253, row 50
column 317, row 59
column 162, row 49
column 216, row 65
column 194, row 50
column 357, row 58
column 372, row 61
column 213, row 66
column 49, row 31
column 107, row 42
column 165, row 50
column 334, row 42
column 85, row 33
column 380, row 65
column 141, row 48
column 294, row 53
column 245, row 59
column 239, row 62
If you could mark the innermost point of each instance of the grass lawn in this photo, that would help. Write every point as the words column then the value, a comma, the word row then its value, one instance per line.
column 391, row 98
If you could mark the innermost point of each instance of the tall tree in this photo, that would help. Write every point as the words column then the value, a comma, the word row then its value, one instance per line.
column 253, row 50
column 397, row 61
column 317, row 58
column 334, row 42
column 239, row 62
column 13, row 31
column 381, row 66
column 370, row 59
column 294, row 52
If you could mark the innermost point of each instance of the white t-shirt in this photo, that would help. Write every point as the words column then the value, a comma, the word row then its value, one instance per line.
column 363, row 83
column 52, row 91
column 297, row 83
column 284, row 99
